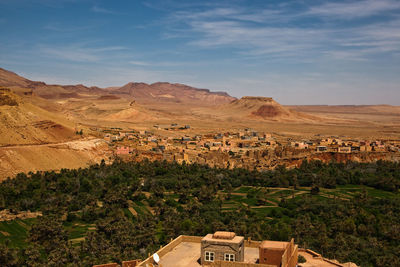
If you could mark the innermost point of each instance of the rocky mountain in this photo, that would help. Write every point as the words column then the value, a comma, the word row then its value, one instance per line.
column 262, row 108
column 12, row 80
column 21, row 85
column 22, row 122
column 171, row 93
column 160, row 92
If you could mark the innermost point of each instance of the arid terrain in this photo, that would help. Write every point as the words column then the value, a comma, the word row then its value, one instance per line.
column 49, row 127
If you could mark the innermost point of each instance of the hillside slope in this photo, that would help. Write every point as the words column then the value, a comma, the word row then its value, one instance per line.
column 172, row 93
column 22, row 122
column 22, row 85
column 262, row 108
column 10, row 79
column 72, row 154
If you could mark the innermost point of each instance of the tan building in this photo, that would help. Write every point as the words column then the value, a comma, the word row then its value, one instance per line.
column 187, row 251
column 278, row 253
column 222, row 246
column 344, row 149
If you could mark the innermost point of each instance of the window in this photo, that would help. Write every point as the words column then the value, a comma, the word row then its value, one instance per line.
column 229, row 257
column 209, row 256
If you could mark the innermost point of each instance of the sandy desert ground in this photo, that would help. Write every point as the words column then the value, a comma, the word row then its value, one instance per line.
column 39, row 121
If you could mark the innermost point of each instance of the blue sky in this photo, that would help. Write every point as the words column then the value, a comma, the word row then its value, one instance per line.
column 299, row 52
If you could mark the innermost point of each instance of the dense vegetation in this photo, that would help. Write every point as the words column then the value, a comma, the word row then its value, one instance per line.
column 349, row 212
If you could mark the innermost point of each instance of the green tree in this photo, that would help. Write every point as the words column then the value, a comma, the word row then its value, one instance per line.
column 48, row 232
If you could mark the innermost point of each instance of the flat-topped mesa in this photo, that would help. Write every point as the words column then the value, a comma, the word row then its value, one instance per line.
column 254, row 101
column 259, row 98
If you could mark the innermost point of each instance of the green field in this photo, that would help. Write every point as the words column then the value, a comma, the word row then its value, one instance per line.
column 270, row 197
column 15, row 231
column 77, row 229
column 263, row 201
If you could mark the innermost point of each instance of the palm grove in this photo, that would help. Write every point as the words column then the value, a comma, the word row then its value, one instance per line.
column 188, row 199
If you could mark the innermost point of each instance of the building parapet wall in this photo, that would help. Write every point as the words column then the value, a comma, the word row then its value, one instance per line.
column 252, row 244
column 163, row 251
column 294, row 258
column 289, row 257
column 313, row 253
column 285, row 256
column 334, row 263
column 132, row 263
column 193, row 239
column 168, row 248
column 317, row 255
column 107, row 265
column 238, row 264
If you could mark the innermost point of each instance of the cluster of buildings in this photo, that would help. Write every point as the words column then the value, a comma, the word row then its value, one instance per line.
column 226, row 249
column 245, row 149
column 7, row 215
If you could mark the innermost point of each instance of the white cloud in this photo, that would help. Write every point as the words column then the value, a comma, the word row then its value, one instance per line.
column 275, row 33
column 98, row 9
column 78, row 52
column 139, row 63
column 355, row 9
column 64, row 29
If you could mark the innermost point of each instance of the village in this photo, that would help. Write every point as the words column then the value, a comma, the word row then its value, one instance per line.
column 245, row 148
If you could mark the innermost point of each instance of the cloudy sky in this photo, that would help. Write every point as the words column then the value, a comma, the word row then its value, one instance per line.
column 299, row 52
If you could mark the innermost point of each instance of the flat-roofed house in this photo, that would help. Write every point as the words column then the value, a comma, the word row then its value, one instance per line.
column 321, row 148
column 222, row 246
column 278, row 253
column 190, row 251
column 123, row 150
column 344, row 149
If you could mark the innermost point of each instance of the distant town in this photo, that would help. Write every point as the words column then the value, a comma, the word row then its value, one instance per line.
column 246, row 148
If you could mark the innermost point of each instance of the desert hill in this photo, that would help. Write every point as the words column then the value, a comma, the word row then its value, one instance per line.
column 38, row 121
column 261, row 108
column 11, row 79
column 22, row 85
column 171, row 93
column 133, row 102
column 146, row 104
column 22, row 122
column 142, row 93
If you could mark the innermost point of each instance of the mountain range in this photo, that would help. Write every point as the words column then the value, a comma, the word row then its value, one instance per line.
column 39, row 122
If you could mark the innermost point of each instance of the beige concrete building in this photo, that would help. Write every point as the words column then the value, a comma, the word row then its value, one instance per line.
column 189, row 251
column 224, row 246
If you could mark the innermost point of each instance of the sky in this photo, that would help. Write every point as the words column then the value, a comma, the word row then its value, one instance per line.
column 298, row 52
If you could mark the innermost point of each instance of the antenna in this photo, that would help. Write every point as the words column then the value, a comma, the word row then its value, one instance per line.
column 156, row 258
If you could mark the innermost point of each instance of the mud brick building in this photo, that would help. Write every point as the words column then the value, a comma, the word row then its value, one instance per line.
column 278, row 253
column 123, row 150
column 230, row 250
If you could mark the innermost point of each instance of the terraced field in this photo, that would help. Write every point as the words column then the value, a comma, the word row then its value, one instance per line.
column 15, row 231
column 264, row 201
